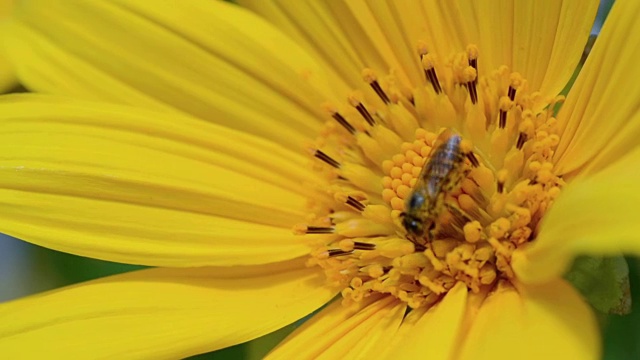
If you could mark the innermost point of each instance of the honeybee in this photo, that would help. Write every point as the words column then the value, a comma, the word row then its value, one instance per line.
column 441, row 174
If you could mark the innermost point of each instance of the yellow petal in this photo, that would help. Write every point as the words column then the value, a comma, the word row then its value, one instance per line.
column 122, row 184
column 595, row 215
column 221, row 63
column 600, row 119
column 541, row 40
column 8, row 78
column 160, row 313
column 431, row 334
column 317, row 28
column 549, row 321
column 342, row 332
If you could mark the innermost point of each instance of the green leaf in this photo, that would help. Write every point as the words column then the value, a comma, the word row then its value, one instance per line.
column 604, row 282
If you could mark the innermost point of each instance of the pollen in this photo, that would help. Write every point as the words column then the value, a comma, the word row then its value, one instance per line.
column 421, row 187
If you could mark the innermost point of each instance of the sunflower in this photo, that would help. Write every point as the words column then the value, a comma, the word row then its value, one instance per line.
column 263, row 175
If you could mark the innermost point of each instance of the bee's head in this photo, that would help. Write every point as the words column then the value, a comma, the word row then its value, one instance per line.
column 413, row 225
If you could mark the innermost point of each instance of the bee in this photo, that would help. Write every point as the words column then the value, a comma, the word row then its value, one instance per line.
column 441, row 174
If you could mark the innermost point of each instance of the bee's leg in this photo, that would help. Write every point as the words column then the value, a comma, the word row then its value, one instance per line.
column 418, row 247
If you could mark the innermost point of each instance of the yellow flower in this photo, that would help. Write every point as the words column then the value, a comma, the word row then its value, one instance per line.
column 175, row 138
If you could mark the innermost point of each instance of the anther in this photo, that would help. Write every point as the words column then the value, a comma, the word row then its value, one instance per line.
column 467, row 149
column 473, row 159
column 516, row 81
column 473, row 92
column 356, row 103
column 501, row 179
column 511, row 93
column 342, row 121
column 355, row 203
column 338, row 252
column 370, row 77
column 319, row 230
column 430, row 72
column 333, row 111
column 363, row 246
column 505, row 105
column 470, row 79
column 522, row 138
column 472, row 54
column 326, row 158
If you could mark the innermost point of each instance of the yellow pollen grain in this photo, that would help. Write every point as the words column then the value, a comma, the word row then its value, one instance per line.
column 487, row 274
column 499, row 228
column 502, row 176
column 472, row 51
column 483, row 253
column 505, row 103
column 407, row 177
column 428, row 61
column 520, row 217
column 425, row 151
column 397, row 203
column 472, row 231
column 516, row 80
column 407, row 167
column 388, row 194
column 396, row 172
column 387, row 165
column 395, row 183
column 440, row 248
column 403, row 191
column 554, row 192
column 368, row 75
column 421, row 47
column 544, row 176
column 356, row 282
column 375, row 271
column 346, row 245
column 355, row 98
column 386, row 182
column 435, row 262
column 398, row 159
column 469, row 74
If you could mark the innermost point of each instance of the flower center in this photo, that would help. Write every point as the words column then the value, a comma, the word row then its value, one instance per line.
column 422, row 188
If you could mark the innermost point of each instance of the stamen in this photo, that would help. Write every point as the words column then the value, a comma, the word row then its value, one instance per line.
column 338, row 252
column 370, row 77
column 511, row 93
column 363, row 246
column 326, row 158
column 472, row 53
column 319, row 230
column 467, row 149
column 516, row 81
column 501, row 179
column 473, row 159
column 355, row 204
column 505, row 105
column 340, row 119
column 356, row 103
column 428, row 64
column 522, row 138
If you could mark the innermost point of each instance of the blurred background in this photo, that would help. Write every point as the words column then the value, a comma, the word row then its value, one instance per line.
column 27, row 269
